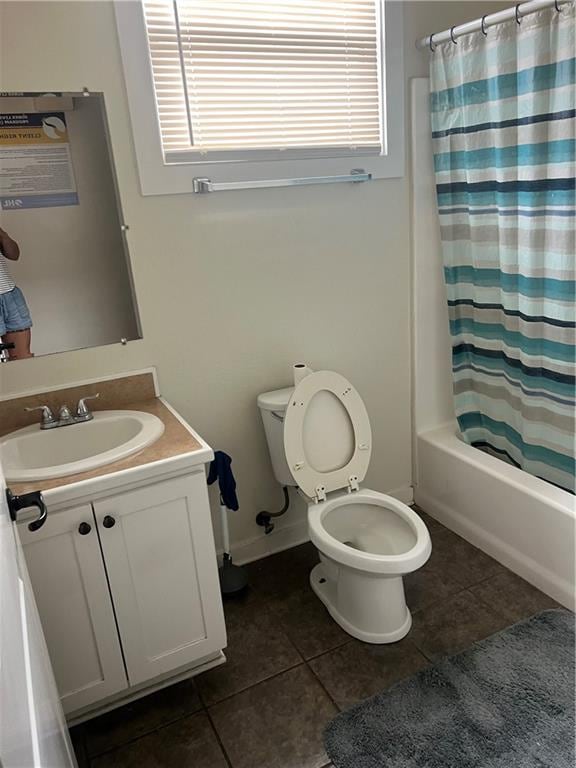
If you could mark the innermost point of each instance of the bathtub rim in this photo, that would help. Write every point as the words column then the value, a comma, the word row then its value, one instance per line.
column 448, row 437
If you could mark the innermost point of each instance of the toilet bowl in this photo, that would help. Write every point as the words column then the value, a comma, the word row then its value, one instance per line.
column 367, row 542
column 320, row 440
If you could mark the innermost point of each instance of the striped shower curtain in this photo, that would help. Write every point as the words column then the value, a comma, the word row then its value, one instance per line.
column 503, row 123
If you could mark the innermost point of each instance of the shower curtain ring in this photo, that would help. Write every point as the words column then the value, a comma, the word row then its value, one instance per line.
column 556, row 6
column 432, row 47
column 452, row 36
column 516, row 13
column 483, row 26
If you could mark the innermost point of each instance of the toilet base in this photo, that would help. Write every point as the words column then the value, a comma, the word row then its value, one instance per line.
column 394, row 625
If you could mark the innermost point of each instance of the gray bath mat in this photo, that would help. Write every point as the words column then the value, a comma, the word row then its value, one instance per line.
column 508, row 702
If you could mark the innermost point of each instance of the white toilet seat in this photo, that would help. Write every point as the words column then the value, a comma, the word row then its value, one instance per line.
column 372, row 562
column 339, row 426
column 313, row 427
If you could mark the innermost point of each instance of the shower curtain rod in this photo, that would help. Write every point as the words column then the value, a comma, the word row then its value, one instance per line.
column 480, row 25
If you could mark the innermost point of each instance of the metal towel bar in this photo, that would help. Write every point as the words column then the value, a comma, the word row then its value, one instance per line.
column 203, row 185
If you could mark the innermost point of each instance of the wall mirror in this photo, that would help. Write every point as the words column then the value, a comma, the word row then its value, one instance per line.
column 65, row 277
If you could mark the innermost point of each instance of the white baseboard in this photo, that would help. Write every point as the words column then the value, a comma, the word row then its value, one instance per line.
column 404, row 494
column 247, row 550
column 533, row 572
column 261, row 546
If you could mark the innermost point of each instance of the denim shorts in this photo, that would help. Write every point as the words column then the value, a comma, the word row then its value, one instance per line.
column 14, row 312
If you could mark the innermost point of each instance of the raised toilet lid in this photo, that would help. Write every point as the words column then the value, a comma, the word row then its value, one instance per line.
column 327, row 436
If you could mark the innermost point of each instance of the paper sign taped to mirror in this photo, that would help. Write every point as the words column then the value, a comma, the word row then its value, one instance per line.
column 36, row 168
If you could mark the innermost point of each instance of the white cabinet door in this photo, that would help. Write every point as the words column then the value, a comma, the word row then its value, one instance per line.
column 69, row 582
column 160, row 557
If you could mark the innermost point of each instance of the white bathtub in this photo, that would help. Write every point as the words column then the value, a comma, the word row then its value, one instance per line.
column 522, row 521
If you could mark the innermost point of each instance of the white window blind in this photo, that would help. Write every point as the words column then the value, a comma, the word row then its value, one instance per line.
column 254, row 79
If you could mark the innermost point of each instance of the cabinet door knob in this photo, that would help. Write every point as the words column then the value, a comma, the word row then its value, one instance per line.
column 109, row 522
column 84, row 529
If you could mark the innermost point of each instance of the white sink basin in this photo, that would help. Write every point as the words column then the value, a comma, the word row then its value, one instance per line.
column 31, row 454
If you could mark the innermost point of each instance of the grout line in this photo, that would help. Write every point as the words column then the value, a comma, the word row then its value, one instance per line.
column 301, row 661
column 496, row 613
column 321, row 684
column 492, row 576
column 253, row 685
column 427, row 656
column 155, row 729
column 330, row 650
column 435, row 603
column 143, row 735
column 219, row 740
column 201, row 697
column 203, row 710
column 500, row 613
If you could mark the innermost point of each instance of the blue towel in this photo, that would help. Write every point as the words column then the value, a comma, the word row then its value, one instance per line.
column 221, row 470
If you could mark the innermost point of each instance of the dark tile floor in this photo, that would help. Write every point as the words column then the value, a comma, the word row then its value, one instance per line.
column 290, row 668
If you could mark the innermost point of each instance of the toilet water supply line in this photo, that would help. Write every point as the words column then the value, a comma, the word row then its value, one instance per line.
column 264, row 518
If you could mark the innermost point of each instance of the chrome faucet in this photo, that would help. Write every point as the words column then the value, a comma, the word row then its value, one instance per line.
column 65, row 415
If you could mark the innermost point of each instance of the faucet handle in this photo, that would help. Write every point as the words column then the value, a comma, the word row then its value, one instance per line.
column 48, row 419
column 82, row 409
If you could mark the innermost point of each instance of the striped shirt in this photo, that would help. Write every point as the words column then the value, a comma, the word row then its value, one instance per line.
column 6, row 281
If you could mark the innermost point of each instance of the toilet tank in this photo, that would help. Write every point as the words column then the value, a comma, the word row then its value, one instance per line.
column 272, row 408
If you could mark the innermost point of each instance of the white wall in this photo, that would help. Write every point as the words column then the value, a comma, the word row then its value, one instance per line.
column 235, row 287
column 72, row 268
column 432, row 388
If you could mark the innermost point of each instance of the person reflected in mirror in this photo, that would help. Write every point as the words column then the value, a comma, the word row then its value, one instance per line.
column 15, row 320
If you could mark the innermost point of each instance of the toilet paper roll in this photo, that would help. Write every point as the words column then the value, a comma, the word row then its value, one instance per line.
column 300, row 372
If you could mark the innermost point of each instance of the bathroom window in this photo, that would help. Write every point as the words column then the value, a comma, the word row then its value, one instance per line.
column 241, row 90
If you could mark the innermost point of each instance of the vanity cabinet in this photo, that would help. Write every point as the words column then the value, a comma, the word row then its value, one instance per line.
column 127, row 589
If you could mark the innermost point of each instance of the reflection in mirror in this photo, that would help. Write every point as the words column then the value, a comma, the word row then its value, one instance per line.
column 65, row 279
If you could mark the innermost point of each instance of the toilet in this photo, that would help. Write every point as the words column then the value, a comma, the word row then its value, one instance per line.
column 319, row 438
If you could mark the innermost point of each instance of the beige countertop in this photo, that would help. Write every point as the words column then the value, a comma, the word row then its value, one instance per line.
column 175, row 441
